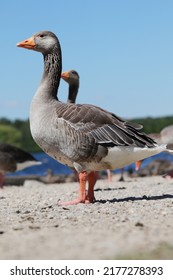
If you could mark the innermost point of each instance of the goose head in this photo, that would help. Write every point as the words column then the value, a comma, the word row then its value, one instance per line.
column 43, row 41
column 71, row 77
column 48, row 44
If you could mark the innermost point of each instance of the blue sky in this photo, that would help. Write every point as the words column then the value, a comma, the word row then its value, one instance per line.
column 122, row 49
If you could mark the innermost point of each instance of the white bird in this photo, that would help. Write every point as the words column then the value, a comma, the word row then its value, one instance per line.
column 164, row 137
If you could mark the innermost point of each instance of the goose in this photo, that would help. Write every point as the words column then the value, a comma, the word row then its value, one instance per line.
column 13, row 159
column 82, row 136
column 72, row 78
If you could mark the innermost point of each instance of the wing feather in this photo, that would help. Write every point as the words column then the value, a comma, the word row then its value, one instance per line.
column 106, row 128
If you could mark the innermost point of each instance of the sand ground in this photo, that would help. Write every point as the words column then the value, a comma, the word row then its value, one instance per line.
column 130, row 220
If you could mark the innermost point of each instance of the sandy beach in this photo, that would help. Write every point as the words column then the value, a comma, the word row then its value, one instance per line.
column 130, row 220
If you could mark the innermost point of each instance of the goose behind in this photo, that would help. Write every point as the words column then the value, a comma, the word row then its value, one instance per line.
column 72, row 78
column 84, row 137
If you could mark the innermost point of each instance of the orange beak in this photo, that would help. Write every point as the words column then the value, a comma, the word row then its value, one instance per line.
column 138, row 164
column 27, row 44
column 65, row 75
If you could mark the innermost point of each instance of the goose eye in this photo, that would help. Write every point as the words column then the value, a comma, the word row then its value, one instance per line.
column 74, row 73
column 41, row 35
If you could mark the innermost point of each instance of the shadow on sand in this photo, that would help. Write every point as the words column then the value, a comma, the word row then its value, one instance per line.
column 133, row 198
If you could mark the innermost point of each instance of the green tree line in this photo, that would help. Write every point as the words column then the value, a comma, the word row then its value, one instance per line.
column 18, row 133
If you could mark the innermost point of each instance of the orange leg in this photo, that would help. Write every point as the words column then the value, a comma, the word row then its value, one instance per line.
column 82, row 191
column 92, row 178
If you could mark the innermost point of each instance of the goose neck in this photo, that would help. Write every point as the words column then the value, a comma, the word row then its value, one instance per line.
column 73, row 90
column 52, row 73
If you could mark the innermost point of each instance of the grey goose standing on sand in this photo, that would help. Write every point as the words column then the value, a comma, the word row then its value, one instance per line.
column 84, row 137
